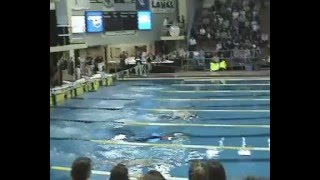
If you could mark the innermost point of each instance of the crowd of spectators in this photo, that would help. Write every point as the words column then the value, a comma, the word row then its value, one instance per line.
column 230, row 25
column 198, row 170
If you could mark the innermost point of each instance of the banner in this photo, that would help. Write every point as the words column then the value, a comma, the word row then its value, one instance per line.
column 163, row 6
column 142, row 5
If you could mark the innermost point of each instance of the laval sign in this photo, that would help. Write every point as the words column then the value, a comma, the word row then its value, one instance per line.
column 163, row 6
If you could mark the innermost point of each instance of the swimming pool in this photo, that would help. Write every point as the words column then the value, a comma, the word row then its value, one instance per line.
column 225, row 108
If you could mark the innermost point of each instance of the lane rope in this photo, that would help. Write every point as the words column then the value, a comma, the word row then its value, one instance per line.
column 137, row 123
column 209, row 99
column 178, row 145
column 204, row 110
column 221, row 91
column 220, row 84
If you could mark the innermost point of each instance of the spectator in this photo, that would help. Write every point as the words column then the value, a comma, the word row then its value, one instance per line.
column 226, row 24
column 255, row 13
column 208, row 29
column 123, row 57
column 70, row 66
column 201, row 58
column 264, row 38
column 255, row 178
column 235, row 15
column 247, row 43
column 246, row 24
column 255, row 26
column 119, row 172
column 223, row 34
column 220, row 20
column 78, row 66
column 197, row 171
column 229, row 9
column 153, row 175
column 182, row 19
column 206, row 21
column 246, row 9
column 216, row 58
column 89, row 66
column 82, row 65
column 165, row 22
column 81, row 169
column 217, row 35
column 238, row 24
column 229, row 45
column 193, row 44
column 202, row 31
column 208, row 36
column 229, row 35
column 235, row 25
column 218, row 46
column 216, row 170
column 256, row 50
column 242, row 17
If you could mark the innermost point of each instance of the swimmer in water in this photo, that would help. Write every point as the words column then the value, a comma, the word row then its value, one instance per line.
column 155, row 137
column 183, row 115
column 127, row 135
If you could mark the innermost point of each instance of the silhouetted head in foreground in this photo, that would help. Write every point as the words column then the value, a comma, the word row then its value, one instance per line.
column 81, row 169
column 119, row 172
column 153, row 175
column 255, row 178
column 197, row 171
column 216, row 170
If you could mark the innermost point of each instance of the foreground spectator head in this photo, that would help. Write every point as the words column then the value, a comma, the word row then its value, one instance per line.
column 197, row 171
column 119, row 172
column 216, row 170
column 153, row 175
column 81, row 169
column 255, row 178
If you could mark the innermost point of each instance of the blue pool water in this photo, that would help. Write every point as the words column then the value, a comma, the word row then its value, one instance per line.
column 100, row 116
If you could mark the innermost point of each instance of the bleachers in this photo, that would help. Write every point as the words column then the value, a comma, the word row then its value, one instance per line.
column 229, row 25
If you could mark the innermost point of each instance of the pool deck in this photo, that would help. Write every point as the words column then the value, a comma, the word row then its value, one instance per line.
column 202, row 74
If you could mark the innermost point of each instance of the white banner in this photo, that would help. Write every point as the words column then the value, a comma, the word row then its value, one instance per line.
column 163, row 6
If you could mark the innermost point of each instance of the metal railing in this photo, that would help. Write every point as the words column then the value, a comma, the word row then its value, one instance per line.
column 137, row 70
column 234, row 58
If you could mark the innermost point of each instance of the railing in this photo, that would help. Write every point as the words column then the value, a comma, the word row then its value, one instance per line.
column 137, row 70
column 234, row 59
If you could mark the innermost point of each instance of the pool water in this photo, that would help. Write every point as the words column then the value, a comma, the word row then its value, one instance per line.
column 138, row 108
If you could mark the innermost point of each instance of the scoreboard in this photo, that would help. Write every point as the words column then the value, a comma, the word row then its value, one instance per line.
column 120, row 21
